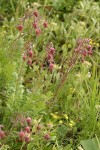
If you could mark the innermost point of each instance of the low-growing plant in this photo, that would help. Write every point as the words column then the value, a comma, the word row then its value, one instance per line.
column 50, row 90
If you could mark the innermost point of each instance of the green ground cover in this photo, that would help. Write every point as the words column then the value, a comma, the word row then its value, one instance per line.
column 49, row 75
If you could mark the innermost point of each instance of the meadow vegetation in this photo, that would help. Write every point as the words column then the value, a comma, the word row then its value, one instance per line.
column 50, row 75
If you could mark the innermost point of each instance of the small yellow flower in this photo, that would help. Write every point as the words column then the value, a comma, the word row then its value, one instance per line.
column 97, row 44
column 60, row 122
column 57, row 67
column 55, row 116
column 71, row 123
column 72, row 90
column 65, row 116
column 91, row 42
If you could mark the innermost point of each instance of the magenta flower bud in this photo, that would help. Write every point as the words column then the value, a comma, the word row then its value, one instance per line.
column 47, row 136
column 45, row 24
column 2, row 134
column 35, row 13
column 27, row 129
column 51, row 66
column 30, row 54
column 20, row 27
column 21, row 135
column 27, row 139
column 50, row 56
column 29, row 120
column 90, row 52
column 35, row 25
column 38, row 32
column 29, row 62
column 52, row 50
column 24, row 57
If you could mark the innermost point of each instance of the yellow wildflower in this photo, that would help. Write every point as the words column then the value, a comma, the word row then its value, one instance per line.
column 71, row 123
column 65, row 116
column 97, row 44
column 55, row 116
column 60, row 122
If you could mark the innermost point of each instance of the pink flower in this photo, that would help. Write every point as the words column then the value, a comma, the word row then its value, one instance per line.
column 21, row 135
column 52, row 50
column 51, row 66
column 35, row 25
column 35, row 13
column 20, row 27
column 29, row 62
column 45, row 24
column 27, row 129
column 30, row 54
column 2, row 134
column 47, row 136
column 38, row 32
column 27, row 139
column 29, row 120
column 24, row 57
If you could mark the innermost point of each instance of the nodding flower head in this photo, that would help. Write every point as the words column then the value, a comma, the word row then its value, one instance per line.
column 47, row 137
column 35, row 13
column 2, row 134
column 38, row 32
column 21, row 135
column 20, row 27
column 24, row 57
column 27, row 129
column 28, row 120
column 29, row 62
column 51, row 66
column 45, row 24
column 52, row 50
column 35, row 25
column 27, row 139
column 31, row 54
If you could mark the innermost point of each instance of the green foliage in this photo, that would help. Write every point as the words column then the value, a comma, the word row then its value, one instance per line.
column 74, row 108
column 91, row 144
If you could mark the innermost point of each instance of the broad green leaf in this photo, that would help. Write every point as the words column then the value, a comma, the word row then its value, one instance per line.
column 91, row 144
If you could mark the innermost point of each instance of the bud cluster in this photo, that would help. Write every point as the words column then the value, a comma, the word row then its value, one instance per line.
column 50, row 56
column 28, row 55
column 83, row 48
column 37, row 23
column 25, row 134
